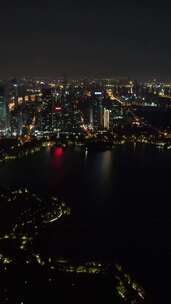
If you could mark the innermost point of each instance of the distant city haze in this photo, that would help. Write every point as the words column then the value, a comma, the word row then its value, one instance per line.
column 85, row 39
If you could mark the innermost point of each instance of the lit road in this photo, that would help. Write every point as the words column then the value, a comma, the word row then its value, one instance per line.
column 137, row 119
column 119, row 99
column 165, row 96
column 56, row 218
column 122, row 102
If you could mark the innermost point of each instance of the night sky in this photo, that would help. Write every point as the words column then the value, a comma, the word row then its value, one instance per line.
column 85, row 38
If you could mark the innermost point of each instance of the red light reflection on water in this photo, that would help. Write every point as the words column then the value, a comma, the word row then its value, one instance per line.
column 58, row 152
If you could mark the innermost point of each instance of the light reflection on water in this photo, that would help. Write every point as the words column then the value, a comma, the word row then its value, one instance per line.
column 119, row 202
column 57, row 158
column 117, row 186
column 99, row 168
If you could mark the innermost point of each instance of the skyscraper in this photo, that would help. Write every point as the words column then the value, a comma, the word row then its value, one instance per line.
column 106, row 118
column 3, row 112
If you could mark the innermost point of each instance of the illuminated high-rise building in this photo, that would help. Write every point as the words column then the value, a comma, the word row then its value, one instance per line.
column 13, row 91
column 45, row 116
column 106, row 118
column 91, row 117
column 3, row 112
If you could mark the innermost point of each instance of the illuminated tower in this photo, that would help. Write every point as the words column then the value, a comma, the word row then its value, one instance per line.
column 91, row 117
column 131, row 87
column 106, row 118
column 3, row 112
column 13, row 90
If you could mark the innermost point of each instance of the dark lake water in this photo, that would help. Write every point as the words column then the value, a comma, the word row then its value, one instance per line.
column 120, row 203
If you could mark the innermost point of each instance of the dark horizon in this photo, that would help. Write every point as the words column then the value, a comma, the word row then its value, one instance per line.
column 89, row 77
column 93, row 39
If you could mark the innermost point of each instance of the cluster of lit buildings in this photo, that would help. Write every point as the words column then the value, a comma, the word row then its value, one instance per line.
column 35, row 107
